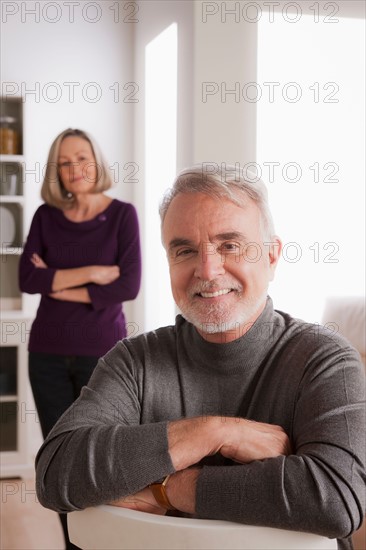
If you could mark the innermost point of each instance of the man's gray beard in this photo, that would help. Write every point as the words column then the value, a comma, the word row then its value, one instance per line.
column 214, row 325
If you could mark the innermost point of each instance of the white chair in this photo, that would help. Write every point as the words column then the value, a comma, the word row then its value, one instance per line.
column 112, row 528
column 347, row 315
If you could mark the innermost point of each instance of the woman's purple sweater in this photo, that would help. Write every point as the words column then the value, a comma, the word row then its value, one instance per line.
column 112, row 238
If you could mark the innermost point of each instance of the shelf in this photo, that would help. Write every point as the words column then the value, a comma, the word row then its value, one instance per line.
column 12, row 158
column 12, row 314
column 15, row 314
column 15, row 199
column 12, row 250
column 9, row 306
column 8, row 398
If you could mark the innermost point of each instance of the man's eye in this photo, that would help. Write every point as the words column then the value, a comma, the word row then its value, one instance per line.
column 230, row 247
column 183, row 252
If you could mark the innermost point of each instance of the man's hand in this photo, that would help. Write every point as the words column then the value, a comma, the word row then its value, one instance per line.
column 143, row 501
column 246, row 440
column 241, row 440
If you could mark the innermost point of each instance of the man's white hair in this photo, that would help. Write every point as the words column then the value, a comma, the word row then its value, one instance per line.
column 227, row 182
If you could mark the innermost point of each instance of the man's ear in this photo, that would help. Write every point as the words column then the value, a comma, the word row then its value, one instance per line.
column 274, row 248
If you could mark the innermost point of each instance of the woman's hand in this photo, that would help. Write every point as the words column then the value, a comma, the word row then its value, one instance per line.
column 37, row 261
column 104, row 274
column 143, row 501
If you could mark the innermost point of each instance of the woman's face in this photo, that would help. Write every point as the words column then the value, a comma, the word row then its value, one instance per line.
column 77, row 166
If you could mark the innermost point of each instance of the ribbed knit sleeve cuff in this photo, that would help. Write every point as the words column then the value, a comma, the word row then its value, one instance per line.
column 151, row 460
column 44, row 280
column 96, row 296
column 217, row 493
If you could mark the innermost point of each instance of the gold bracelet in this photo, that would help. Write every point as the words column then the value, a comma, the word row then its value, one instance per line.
column 159, row 491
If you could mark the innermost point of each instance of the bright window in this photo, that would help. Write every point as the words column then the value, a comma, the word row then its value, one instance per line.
column 160, row 164
column 311, row 153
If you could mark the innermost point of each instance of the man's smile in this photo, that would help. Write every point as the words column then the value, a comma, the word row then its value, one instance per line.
column 215, row 293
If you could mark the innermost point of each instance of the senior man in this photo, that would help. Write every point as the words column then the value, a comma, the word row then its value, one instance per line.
column 254, row 416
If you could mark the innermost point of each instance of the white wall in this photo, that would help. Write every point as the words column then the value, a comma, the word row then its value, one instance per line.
column 224, row 58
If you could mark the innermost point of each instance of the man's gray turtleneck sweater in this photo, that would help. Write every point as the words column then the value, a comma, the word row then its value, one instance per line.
column 113, row 442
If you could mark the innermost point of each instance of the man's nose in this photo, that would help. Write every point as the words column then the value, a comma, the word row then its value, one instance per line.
column 210, row 263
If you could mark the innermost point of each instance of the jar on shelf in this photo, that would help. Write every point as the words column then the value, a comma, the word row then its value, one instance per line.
column 8, row 136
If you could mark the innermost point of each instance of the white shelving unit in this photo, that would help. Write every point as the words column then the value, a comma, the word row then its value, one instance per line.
column 16, row 406
column 15, row 412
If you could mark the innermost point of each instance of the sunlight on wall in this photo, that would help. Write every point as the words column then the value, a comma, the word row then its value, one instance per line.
column 310, row 151
column 160, row 162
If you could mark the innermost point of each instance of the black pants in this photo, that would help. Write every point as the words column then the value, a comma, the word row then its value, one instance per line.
column 56, row 382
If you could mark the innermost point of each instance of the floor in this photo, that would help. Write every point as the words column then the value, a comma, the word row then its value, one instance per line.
column 24, row 523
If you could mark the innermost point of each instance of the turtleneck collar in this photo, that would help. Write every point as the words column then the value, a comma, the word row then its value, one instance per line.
column 245, row 352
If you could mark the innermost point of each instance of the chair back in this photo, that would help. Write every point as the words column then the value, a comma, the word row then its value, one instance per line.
column 113, row 528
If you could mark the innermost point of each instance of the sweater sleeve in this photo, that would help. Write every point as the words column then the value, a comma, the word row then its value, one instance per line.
column 320, row 487
column 32, row 279
column 99, row 445
column 126, row 287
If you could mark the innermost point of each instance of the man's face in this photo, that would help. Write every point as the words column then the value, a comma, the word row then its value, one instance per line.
column 219, row 265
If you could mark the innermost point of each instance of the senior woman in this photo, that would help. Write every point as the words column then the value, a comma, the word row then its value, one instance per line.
column 83, row 256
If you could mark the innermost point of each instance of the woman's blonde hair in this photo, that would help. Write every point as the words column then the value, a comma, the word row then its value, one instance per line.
column 53, row 191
